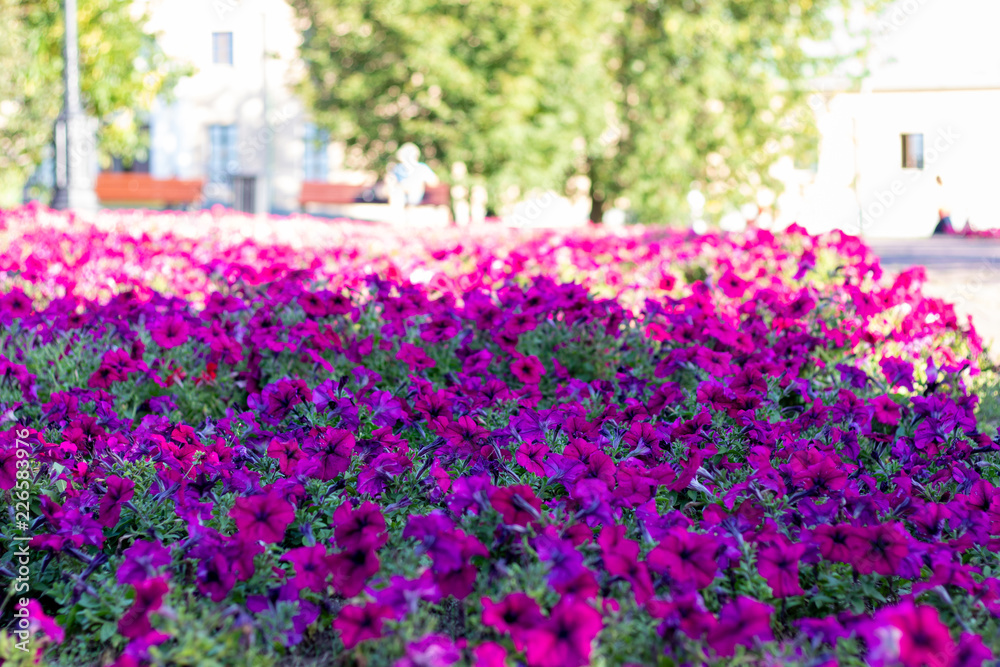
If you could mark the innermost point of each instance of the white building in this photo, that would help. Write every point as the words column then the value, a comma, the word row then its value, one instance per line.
column 929, row 109
column 236, row 116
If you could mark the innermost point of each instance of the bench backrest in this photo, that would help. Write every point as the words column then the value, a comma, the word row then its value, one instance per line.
column 129, row 187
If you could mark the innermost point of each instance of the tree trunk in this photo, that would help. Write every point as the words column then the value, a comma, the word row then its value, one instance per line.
column 597, row 196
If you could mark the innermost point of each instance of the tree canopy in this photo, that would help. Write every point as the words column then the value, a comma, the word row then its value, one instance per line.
column 647, row 98
column 122, row 70
column 490, row 84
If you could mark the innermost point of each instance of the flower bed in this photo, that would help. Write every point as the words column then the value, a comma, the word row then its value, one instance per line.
column 351, row 447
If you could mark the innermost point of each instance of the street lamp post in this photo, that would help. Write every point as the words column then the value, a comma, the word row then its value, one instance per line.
column 75, row 135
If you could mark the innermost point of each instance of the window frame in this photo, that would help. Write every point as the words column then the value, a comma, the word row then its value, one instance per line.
column 913, row 150
column 222, row 150
column 217, row 51
column 315, row 156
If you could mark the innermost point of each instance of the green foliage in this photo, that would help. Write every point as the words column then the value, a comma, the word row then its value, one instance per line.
column 122, row 70
column 505, row 86
column 987, row 387
column 708, row 93
column 645, row 97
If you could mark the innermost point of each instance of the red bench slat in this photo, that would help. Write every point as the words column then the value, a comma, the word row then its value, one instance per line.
column 124, row 187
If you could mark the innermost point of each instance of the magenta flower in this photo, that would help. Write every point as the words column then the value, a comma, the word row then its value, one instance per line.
column 142, row 561
column 360, row 623
column 216, row 576
column 971, row 651
column 778, row 563
column 311, row 571
column 170, row 332
column 39, row 621
column 566, row 637
column 531, row 457
column 878, row 549
column 832, row 541
column 352, row 568
column 329, row 453
column 911, row 635
column 740, row 621
column 262, row 517
column 490, row 654
column 685, row 612
column 119, row 492
column 287, row 453
column 689, row 558
column 149, row 596
column 431, row 651
column 361, row 528
column 527, row 369
column 517, row 615
column 414, row 357
column 518, row 504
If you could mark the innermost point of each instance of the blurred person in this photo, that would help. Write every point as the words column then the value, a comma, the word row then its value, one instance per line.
column 944, row 226
column 407, row 180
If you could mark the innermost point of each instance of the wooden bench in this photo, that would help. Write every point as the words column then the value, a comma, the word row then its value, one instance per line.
column 142, row 189
column 343, row 193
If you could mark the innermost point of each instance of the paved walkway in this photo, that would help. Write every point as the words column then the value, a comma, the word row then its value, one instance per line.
column 965, row 272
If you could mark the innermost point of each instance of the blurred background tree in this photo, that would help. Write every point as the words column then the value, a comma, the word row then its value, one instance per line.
column 708, row 95
column 512, row 88
column 122, row 71
column 647, row 98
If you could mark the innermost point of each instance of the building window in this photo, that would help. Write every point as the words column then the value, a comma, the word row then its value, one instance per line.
column 913, row 151
column 222, row 48
column 315, row 161
column 222, row 159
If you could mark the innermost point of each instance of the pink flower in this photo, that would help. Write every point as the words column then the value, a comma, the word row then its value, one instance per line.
column 911, row 635
column 740, row 621
column 216, row 576
column 566, row 638
column 687, row 557
column 517, row 615
column 119, row 492
column 170, row 332
column 142, row 560
column 414, row 357
column 518, row 505
column 329, row 453
column 149, row 596
column 431, row 651
column 363, row 527
column 528, row 370
column 778, row 563
column 263, row 517
column 878, row 549
column 360, row 623
column 352, row 568
column 490, row 654
column 833, row 541
column 37, row 620
column 311, row 571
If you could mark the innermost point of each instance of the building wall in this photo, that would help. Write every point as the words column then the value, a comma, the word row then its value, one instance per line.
column 861, row 140
column 254, row 93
